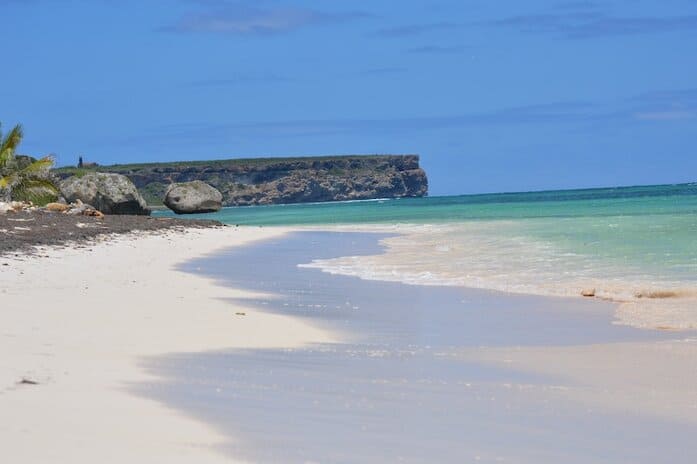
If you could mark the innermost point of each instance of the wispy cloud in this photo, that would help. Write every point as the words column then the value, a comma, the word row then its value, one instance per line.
column 650, row 108
column 671, row 97
column 577, row 5
column 414, row 29
column 665, row 115
column 243, row 18
column 383, row 71
column 555, row 113
column 672, row 105
column 439, row 49
column 589, row 22
column 240, row 79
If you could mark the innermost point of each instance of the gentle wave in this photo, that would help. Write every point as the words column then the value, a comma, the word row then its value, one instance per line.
column 515, row 257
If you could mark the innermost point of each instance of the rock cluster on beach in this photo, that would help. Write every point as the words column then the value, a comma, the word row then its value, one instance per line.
column 107, row 192
column 77, row 208
column 14, row 206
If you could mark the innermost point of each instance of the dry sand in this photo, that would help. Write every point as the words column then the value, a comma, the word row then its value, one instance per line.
column 78, row 321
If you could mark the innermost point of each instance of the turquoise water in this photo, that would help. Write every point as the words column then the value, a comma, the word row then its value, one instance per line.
column 404, row 385
column 627, row 243
column 623, row 201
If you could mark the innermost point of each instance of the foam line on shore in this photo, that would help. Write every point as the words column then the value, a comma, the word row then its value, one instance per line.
column 476, row 255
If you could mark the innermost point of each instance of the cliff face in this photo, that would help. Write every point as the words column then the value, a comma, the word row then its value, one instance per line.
column 289, row 180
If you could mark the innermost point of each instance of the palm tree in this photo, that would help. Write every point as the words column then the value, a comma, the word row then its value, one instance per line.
column 23, row 178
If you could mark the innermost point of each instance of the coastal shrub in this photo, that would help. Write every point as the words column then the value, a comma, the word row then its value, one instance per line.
column 23, row 178
column 336, row 171
column 153, row 193
column 81, row 172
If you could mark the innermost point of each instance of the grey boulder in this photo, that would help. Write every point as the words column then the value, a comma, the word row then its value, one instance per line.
column 109, row 193
column 193, row 197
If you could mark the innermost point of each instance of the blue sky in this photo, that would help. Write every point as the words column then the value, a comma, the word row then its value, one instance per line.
column 494, row 95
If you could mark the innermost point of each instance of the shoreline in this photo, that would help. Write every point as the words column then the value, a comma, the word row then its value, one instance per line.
column 644, row 307
column 77, row 321
column 420, row 351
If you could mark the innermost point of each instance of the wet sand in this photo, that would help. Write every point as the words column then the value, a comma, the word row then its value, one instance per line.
column 430, row 374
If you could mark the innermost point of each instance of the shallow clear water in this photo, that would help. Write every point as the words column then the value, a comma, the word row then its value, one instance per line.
column 397, row 389
column 626, row 243
column 622, row 201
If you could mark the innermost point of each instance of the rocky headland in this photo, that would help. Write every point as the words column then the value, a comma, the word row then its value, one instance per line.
column 264, row 181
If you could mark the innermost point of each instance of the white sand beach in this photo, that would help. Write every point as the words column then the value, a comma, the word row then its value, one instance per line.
column 76, row 324
column 78, row 321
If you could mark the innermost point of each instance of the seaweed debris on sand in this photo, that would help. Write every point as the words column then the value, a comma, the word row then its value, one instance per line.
column 23, row 231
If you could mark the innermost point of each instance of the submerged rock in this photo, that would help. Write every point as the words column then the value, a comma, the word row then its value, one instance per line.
column 107, row 192
column 193, row 197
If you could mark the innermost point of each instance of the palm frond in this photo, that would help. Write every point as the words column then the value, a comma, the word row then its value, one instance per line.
column 5, row 157
column 36, row 190
column 8, row 181
column 22, row 181
column 9, row 143
column 12, row 140
column 38, row 167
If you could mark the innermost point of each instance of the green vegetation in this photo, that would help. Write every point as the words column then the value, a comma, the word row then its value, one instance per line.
column 23, row 178
column 77, row 172
column 257, row 180
column 242, row 162
column 153, row 193
column 337, row 171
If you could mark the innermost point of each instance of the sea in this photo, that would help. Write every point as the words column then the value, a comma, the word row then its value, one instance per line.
column 421, row 294
column 633, row 245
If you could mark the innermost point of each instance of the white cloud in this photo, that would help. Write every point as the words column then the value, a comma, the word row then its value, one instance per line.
column 670, row 115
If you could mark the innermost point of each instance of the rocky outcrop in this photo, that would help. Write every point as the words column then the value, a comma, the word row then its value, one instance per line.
column 15, row 206
column 299, row 187
column 193, row 197
column 285, row 180
column 75, row 209
column 108, row 193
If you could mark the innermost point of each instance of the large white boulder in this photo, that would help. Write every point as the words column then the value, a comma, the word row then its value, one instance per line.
column 193, row 197
column 109, row 193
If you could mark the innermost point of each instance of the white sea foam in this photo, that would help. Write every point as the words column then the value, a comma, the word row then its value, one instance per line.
column 503, row 256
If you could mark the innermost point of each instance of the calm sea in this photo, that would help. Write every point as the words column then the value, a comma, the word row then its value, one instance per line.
column 632, row 244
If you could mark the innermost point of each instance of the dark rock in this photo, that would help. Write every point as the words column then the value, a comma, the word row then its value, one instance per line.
column 109, row 193
column 193, row 197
